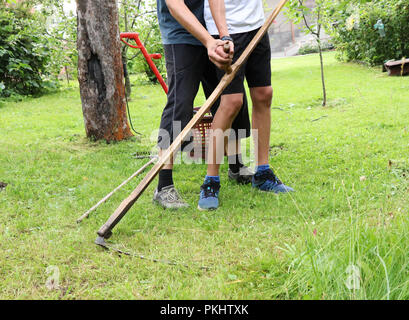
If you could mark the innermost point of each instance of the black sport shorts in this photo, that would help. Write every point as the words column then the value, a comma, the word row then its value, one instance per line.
column 188, row 66
column 256, row 69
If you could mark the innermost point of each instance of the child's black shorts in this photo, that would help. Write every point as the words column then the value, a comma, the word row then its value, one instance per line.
column 257, row 68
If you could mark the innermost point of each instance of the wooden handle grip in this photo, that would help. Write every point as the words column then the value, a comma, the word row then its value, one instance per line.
column 226, row 49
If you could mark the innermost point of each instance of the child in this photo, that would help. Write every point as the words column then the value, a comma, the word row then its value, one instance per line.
column 238, row 21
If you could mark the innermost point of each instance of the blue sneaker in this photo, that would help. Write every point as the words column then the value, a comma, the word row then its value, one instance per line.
column 209, row 195
column 267, row 181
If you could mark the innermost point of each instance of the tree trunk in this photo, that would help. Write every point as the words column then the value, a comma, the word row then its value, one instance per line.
column 100, row 71
column 324, row 89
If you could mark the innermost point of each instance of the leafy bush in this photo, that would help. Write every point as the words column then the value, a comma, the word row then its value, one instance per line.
column 23, row 55
column 149, row 34
column 358, row 39
column 61, row 37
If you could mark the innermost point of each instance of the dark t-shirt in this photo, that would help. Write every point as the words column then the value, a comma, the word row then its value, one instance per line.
column 172, row 32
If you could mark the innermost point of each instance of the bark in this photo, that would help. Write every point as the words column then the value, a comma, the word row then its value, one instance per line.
column 100, row 70
column 324, row 89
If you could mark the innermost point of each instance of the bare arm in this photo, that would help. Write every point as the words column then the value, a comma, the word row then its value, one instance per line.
column 187, row 19
column 218, row 10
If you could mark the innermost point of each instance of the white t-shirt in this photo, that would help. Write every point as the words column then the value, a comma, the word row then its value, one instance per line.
column 241, row 16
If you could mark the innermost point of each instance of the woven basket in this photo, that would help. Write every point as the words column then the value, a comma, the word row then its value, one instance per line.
column 201, row 135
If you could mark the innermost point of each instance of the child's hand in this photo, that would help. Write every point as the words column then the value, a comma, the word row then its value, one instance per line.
column 217, row 54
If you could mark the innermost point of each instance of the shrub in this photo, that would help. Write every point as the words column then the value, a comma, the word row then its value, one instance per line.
column 313, row 48
column 357, row 39
column 23, row 55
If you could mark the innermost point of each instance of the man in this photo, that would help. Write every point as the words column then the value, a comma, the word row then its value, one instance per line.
column 239, row 21
column 188, row 48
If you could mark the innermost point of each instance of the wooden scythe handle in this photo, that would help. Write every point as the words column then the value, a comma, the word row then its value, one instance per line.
column 226, row 49
column 109, row 195
column 123, row 208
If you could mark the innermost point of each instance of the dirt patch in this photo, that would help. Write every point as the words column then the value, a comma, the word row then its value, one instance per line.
column 399, row 168
column 3, row 185
column 277, row 149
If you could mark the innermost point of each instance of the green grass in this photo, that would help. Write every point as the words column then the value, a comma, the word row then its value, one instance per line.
column 350, row 169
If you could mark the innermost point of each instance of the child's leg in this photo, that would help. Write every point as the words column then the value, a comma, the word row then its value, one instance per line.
column 258, row 74
column 241, row 128
column 261, row 121
column 230, row 105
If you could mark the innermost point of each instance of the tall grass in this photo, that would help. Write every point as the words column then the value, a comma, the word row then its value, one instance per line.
column 341, row 235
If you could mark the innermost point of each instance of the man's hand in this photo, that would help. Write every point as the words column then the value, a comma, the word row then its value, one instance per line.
column 217, row 54
column 228, row 48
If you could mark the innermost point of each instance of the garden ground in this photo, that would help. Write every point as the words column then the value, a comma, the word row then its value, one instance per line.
column 344, row 228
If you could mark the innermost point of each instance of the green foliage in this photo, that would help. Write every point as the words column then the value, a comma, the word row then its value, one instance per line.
column 23, row 53
column 140, row 16
column 312, row 18
column 61, row 35
column 357, row 34
column 151, row 36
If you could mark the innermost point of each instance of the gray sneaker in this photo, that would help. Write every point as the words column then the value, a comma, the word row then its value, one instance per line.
column 244, row 176
column 169, row 198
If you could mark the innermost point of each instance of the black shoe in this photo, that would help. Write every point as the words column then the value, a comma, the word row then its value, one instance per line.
column 267, row 181
column 244, row 176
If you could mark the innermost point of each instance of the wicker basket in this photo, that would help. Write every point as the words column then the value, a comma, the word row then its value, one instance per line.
column 201, row 135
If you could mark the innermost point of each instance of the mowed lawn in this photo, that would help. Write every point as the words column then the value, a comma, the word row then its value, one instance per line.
column 342, row 235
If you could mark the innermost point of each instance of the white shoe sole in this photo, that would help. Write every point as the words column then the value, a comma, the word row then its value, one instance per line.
column 210, row 209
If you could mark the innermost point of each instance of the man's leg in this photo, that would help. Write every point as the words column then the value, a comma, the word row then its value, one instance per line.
column 241, row 129
column 184, row 64
column 166, row 173
column 233, row 152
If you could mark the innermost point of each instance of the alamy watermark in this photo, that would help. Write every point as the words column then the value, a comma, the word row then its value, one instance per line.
column 53, row 281
column 353, row 281
column 199, row 144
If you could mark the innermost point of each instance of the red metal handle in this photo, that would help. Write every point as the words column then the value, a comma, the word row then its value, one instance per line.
column 156, row 56
column 148, row 57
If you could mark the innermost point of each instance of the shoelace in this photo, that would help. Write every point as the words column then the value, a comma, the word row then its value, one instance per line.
column 171, row 195
column 210, row 189
column 270, row 178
